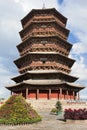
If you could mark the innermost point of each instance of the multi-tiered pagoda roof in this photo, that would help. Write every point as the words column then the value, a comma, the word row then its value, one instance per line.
column 44, row 64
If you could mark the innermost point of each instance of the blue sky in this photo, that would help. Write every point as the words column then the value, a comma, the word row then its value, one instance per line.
column 12, row 11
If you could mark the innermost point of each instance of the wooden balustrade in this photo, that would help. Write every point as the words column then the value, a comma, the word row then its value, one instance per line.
column 43, row 31
column 47, row 65
column 47, row 18
column 44, row 48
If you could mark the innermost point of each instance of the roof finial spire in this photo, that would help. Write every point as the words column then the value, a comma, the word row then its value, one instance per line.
column 43, row 5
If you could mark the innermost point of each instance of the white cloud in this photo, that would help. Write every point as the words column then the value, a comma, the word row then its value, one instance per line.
column 81, row 46
column 84, row 97
column 11, row 12
column 5, row 75
column 38, row 4
column 9, row 27
column 80, row 69
column 76, row 12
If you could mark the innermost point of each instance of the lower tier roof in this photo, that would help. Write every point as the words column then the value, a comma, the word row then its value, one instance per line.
column 65, row 43
column 59, row 56
column 65, row 76
column 45, row 82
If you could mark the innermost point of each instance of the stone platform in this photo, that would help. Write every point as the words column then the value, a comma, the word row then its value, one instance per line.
column 42, row 104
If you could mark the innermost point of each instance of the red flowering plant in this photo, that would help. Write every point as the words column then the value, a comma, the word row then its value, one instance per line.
column 76, row 114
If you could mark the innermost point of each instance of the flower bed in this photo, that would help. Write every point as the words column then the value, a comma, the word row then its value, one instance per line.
column 80, row 114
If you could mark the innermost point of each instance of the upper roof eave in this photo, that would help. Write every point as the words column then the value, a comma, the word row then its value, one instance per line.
column 31, row 13
column 69, row 44
column 44, row 72
column 71, row 61
column 54, row 22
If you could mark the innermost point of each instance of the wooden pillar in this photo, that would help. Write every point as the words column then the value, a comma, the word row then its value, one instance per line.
column 49, row 93
column 73, row 95
column 67, row 93
column 60, row 97
column 11, row 92
column 26, row 93
column 37, row 96
column 78, row 95
column 21, row 92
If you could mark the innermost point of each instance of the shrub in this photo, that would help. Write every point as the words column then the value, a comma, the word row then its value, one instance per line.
column 58, row 106
column 17, row 111
column 54, row 110
column 80, row 114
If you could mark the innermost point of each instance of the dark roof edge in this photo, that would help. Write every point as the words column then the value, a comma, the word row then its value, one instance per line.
column 34, row 10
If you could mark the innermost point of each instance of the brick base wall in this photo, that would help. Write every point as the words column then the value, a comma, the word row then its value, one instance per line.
column 44, row 104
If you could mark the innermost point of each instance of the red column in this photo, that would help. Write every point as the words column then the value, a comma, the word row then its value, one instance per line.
column 60, row 97
column 67, row 93
column 49, row 93
column 73, row 95
column 26, row 93
column 37, row 94
column 78, row 95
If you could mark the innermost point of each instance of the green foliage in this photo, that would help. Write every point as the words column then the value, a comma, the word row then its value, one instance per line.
column 54, row 110
column 58, row 106
column 17, row 111
column 57, row 109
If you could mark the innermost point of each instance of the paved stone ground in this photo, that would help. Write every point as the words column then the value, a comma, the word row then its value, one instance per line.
column 49, row 122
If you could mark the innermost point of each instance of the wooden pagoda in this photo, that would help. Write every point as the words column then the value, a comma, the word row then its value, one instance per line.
column 44, row 65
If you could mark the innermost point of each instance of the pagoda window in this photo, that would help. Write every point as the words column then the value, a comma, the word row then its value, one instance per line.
column 43, row 60
column 43, row 42
column 43, row 14
column 43, row 26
